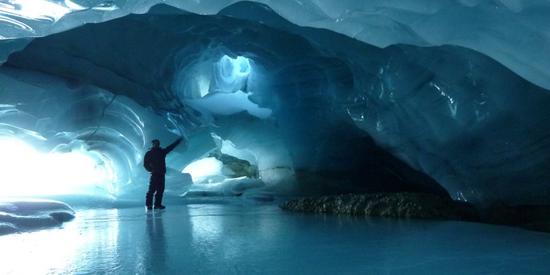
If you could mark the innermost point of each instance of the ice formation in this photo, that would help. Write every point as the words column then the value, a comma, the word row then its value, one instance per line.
column 316, row 110
column 23, row 215
column 513, row 32
column 51, row 148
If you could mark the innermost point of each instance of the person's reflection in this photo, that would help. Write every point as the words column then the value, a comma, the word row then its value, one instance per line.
column 156, row 259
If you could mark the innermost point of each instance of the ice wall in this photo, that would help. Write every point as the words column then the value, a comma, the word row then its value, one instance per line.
column 296, row 86
column 63, row 137
column 468, row 122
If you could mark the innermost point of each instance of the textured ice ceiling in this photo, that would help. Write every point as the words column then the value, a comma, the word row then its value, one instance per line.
column 293, row 100
column 514, row 32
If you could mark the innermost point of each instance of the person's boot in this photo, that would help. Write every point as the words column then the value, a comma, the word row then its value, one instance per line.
column 160, row 207
column 149, row 207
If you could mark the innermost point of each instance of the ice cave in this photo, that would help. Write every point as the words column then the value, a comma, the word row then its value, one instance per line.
column 312, row 137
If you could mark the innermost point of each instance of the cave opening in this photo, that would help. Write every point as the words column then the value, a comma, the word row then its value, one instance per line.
column 323, row 113
column 339, row 108
column 32, row 173
column 304, row 99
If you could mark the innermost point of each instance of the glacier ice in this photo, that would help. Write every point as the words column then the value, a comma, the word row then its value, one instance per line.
column 231, row 73
column 275, row 99
column 42, row 115
column 228, row 104
column 238, row 239
column 52, row 148
column 19, row 215
column 514, row 33
column 313, row 111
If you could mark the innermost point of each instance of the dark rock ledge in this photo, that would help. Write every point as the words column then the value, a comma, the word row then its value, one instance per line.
column 422, row 206
column 389, row 205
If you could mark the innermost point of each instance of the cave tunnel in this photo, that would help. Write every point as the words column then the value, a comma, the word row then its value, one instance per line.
column 390, row 110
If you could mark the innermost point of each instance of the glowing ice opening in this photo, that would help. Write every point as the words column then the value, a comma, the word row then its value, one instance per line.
column 201, row 169
column 234, row 69
column 26, row 171
column 203, row 84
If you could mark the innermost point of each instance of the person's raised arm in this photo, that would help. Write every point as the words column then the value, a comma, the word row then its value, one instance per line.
column 171, row 147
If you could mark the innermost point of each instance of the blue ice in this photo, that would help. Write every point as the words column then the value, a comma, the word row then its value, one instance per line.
column 239, row 239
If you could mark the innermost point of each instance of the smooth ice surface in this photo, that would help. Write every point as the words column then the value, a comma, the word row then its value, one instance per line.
column 234, row 239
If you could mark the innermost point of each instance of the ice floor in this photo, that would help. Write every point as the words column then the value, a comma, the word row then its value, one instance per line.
column 234, row 239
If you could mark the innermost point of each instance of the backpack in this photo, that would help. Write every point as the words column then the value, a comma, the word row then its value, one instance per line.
column 147, row 162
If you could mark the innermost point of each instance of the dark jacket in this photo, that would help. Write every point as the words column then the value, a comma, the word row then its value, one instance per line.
column 155, row 159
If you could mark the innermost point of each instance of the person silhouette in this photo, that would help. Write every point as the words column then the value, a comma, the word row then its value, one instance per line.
column 155, row 162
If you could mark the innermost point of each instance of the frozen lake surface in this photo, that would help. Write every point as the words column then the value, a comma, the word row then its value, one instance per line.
column 235, row 239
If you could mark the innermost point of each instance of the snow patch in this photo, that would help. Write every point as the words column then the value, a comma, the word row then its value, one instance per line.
column 25, row 215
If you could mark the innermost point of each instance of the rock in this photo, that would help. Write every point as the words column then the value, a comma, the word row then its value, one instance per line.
column 235, row 167
column 391, row 205
column 423, row 206
column 532, row 217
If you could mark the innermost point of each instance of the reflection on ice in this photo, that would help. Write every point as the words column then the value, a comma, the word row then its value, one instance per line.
column 235, row 239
